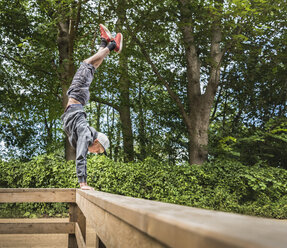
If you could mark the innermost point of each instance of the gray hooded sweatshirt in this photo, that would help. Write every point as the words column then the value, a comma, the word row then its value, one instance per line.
column 80, row 135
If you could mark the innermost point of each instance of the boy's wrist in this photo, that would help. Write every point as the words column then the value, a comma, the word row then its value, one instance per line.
column 83, row 184
column 82, row 179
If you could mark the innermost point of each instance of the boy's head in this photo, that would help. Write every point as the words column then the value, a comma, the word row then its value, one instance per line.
column 100, row 144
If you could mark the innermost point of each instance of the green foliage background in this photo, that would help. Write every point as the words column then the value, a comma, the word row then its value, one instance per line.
column 224, row 185
column 252, row 89
column 251, row 146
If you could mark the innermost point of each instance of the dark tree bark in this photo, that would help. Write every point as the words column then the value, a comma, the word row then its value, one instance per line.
column 142, row 134
column 67, row 30
column 98, row 116
column 124, row 110
column 124, row 88
column 199, row 105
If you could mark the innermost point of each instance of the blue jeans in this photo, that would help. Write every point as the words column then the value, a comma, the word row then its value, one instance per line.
column 79, row 89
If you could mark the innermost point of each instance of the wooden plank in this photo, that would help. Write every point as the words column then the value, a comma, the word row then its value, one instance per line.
column 37, row 228
column 81, row 220
column 91, row 235
column 35, row 220
column 76, row 215
column 112, row 231
column 34, row 240
column 182, row 226
column 80, row 239
column 19, row 190
column 72, row 242
column 37, row 195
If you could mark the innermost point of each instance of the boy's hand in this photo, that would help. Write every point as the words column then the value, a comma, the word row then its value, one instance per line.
column 84, row 186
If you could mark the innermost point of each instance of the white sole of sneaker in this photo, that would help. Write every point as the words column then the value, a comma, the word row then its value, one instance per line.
column 107, row 31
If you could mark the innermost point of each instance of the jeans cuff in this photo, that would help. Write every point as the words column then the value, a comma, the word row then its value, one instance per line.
column 82, row 179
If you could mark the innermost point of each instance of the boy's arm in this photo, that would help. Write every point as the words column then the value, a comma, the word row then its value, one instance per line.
column 81, row 159
column 81, row 154
column 81, row 162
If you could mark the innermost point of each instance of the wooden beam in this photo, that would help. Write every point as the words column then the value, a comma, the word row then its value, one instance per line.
column 33, row 241
column 34, row 220
column 92, row 240
column 80, row 239
column 37, row 195
column 37, row 228
column 81, row 220
column 176, row 226
column 72, row 242
column 112, row 231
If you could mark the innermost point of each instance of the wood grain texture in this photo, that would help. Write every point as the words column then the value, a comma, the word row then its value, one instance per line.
column 112, row 231
column 182, row 226
column 37, row 195
column 36, row 228
column 80, row 239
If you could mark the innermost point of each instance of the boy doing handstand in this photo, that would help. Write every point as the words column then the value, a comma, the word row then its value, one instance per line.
column 82, row 137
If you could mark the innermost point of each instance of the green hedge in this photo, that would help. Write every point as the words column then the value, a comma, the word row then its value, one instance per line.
column 223, row 185
column 45, row 171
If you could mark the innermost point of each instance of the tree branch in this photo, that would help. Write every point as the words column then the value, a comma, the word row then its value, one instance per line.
column 78, row 16
column 160, row 78
column 216, row 56
column 101, row 100
column 73, row 24
column 192, row 59
column 216, row 104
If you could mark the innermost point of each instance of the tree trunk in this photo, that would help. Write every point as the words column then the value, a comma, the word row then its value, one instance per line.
column 67, row 27
column 49, row 129
column 127, row 133
column 142, row 135
column 66, row 75
column 98, row 118
column 117, row 145
column 124, row 88
column 112, row 135
column 199, row 105
column 124, row 110
column 198, row 131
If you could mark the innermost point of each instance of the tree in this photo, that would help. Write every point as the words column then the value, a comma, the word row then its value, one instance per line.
column 27, row 82
column 67, row 33
column 206, row 31
column 182, row 62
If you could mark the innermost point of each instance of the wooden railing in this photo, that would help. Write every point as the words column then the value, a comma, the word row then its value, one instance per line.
column 100, row 219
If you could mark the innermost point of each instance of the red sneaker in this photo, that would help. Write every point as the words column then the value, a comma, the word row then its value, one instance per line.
column 105, row 33
column 119, row 42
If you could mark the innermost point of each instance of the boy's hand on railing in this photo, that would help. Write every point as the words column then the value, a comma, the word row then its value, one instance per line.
column 85, row 186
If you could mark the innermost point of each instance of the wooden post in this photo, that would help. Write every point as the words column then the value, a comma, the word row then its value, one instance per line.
column 92, row 240
column 72, row 242
column 81, row 219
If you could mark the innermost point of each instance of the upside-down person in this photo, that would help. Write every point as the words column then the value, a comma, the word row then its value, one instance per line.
column 82, row 137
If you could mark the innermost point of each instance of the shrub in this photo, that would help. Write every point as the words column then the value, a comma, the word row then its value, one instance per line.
column 223, row 185
column 45, row 171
